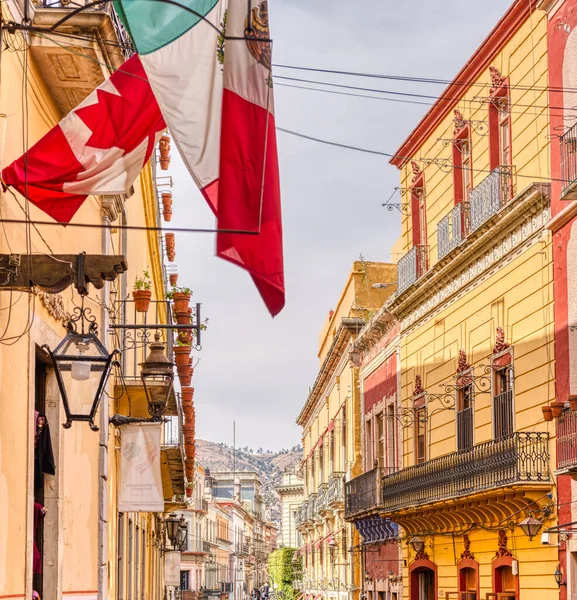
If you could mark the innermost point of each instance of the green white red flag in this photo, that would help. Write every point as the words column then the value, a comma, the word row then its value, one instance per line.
column 206, row 67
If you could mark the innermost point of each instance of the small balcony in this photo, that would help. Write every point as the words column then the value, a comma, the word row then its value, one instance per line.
column 241, row 549
column 490, row 196
column 337, row 490
column 323, row 498
column 73, row 67
column 301, row 516
column 312, row 513
column 363, row 494
column 567, row 444
column 172, row 458
column 411, row 267
column 453, row 229
column 521, row 458
column 568, row 152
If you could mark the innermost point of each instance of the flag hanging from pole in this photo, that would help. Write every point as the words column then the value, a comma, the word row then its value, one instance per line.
column 209, row 66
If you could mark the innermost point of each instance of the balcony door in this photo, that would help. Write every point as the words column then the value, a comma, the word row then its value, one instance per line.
column 503, row 416
column 423, row 584
column 465, row 417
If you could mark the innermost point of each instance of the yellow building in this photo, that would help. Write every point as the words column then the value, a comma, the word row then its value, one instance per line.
column 474, row 305
column 331, row 424
column 85, row 548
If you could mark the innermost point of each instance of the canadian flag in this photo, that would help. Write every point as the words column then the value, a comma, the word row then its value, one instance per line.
column 98, row 148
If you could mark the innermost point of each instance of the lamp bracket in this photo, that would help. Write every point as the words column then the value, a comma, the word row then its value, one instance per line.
column 54, row 273
column 120, row 420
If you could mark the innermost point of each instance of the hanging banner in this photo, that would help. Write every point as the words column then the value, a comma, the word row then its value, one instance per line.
column 140, row 488
column 172, row 568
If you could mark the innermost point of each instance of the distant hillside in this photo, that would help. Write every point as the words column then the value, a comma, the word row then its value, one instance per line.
column 269, row 465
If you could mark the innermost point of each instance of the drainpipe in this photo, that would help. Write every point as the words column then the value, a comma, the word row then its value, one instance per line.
column 103, row 433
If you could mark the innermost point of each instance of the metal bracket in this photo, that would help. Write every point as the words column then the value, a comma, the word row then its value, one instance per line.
column 120, row 420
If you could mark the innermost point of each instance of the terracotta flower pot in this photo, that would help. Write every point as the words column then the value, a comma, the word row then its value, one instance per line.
column 181, row 301
column 173, row 278
column 167, row 215
column 141, row 300
column 189, row 493
column 164, row 145
column 573, row 402
column 185, row 336
column 166, row 199
column 170, row 254
column 169, row 239
column 164, row 163
column 557, row 409
column 182, row 318
column 547, row 413
column 185, row 379
column 181, row 354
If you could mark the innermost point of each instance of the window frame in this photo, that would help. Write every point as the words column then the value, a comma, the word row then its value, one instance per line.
column 495, row 122
column 462, row 136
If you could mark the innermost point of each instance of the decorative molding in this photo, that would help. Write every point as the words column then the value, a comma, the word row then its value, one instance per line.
column 500, row 343
column 502, row 549
column 496, row 79
column 53, row 303
column 416, row 171
column 418, row 389
column 421, row 555
column 467, row 552
column 459, row 121
column 462, row 364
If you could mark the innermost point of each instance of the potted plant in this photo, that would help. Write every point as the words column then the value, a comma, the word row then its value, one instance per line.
column 572, row 402
column 180, row 297
column 173, row 278
column 187, row 393
column 547, row 413
column 181, row 354
column 184, row 375
column 557, row 409
column 142, row 292
column 164, row 146
column 185, row 336
column 182, row 318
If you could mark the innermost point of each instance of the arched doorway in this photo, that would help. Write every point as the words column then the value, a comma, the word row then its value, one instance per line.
column 505, row 583
column 468, row 584
column 423, row 580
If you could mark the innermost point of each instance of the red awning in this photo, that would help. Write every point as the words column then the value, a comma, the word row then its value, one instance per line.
column 331, row 426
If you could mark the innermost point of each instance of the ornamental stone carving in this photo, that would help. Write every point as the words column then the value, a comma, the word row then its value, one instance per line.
column 416, row 171
column 502, row 549
column 500, row 343
column 418, row 389
column 496, row 79
column 459, row 121
column 467, row 552
column 462, row 363
column 53, row 303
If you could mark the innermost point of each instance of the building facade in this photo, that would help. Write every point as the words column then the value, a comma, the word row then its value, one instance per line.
column 475, row 311
column 376, row 350
column 291, row 491
column 331, row 424
column 62, row 534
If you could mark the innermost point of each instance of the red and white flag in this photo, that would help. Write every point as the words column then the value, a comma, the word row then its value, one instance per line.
column 98, row 148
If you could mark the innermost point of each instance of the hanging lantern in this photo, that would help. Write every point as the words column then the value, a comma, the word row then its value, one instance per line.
column 171, row 525
column 82, row 366
column 157, row 377
column 530, row 526
column 418, row 544
column 182, row 533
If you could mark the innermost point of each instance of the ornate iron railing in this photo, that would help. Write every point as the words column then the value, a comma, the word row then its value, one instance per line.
column 126, row 45
column 490, row 196
column 301, row 516
column 452, row 229
column 567, row 441
column 336, row 488
column 323, row 498
column 568, row 148
column 465, row 428
column 312, row 508
column 363, row 493
column 519, row 458
column 411, row 267
column 173, row 431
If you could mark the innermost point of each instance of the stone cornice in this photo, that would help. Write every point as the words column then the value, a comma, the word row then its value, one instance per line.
column 379, row 325
column 526, row 204
column 349, row 326
column 563, row 217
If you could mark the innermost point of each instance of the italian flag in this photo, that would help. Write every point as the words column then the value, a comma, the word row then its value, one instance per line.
column 204, row 70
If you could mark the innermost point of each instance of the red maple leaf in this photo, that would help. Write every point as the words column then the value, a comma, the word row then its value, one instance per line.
column 125, row 120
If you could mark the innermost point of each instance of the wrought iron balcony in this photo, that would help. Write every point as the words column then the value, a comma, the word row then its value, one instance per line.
column 568, row 148
column 363, row 494
column 452, row 229
column 567, row 443
column 301, row 516
column 323, row 498
column 490, row 196
column 520, row 458
column 312, row 513
column 336, row 489
column 412, row 266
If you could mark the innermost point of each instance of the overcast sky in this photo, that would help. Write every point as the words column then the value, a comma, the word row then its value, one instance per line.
column 256, row 370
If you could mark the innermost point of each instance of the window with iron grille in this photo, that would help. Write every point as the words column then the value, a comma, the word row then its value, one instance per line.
column 420, row 435
column 503, row 402
column 465, row 426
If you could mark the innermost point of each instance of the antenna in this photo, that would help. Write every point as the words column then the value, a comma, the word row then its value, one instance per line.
column 233, row 451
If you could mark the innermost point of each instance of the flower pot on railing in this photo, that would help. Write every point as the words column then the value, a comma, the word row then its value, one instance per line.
column 547, row 413
column 185, row 336
column 169, row 240
column 170, row 254
column 185, row 378
column 181, row 355
column 182, row 318
column 141, row 300
column 573, row 402
column 167, row 214
column 557, row 409
column 164, row 163
column 166, row 199
column 181, row 302
column 173, row 278
column 164, row 146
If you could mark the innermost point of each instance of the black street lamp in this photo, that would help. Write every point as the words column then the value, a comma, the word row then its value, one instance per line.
column 82, row 366
column 171, row 526
column 558, row 575
column 157, row 375
column 530, row 526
